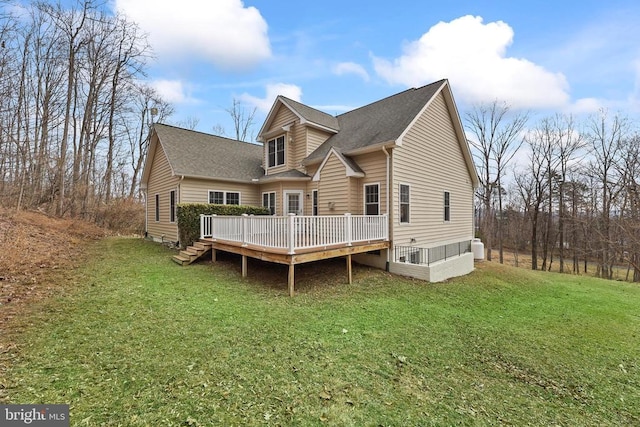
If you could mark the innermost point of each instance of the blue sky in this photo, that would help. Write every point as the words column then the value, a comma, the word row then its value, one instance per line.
column 542, row 56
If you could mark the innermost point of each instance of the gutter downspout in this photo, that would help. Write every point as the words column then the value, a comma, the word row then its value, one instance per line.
column 146, row 213
column 178, row 197
column 386, row 153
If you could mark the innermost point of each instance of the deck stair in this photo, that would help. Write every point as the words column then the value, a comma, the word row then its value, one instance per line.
column 192, row 253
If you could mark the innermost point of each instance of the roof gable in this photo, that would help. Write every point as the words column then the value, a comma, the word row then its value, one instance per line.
column 307, row 115
column 351, row 167
column 381, row 122
column 200, row 155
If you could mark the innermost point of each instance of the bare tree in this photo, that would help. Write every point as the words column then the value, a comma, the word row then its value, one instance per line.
column 605, row 139
column 136, row 131
column 67, row 75
column 628, row 221
column 568, row 143
column 497, row 133
column 533, row 185
column 190, row 123
column 243, row 120
column 218, row 129
column 127, row 60
column 71, row 23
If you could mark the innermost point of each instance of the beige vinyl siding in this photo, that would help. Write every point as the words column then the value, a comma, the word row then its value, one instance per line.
column 297, row 147
column 311, row 185
column 374, row 166
column 197, row 191
column 315, row 138
column 161, row 182
column 431, row 162
column 335, row 187
column 283, row 117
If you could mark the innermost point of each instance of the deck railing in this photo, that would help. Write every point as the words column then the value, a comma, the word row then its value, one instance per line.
column 295, row 232
column 427, row 256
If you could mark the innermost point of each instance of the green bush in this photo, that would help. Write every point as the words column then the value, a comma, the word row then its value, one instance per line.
column 189, row 217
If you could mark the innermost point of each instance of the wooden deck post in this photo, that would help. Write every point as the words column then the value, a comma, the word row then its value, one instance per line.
column 292, row 285
column 349, row 275
column 244, row 266
column 213, row 255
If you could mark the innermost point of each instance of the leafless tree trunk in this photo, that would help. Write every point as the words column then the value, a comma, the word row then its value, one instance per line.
column 242, row 120
column 605, row 139
column 497, row 139
column 71, row 23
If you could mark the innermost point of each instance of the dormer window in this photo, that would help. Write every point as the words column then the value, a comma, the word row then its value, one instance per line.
column 275, row 149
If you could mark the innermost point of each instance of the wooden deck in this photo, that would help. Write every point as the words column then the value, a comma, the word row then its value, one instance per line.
column 281, row 256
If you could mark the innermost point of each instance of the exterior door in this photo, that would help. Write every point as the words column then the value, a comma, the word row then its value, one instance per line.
column 293, row 202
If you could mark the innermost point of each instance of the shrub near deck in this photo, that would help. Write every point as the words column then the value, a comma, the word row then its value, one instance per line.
column 142, row 341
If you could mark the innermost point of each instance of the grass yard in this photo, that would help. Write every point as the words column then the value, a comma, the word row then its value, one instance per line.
column 142, row 341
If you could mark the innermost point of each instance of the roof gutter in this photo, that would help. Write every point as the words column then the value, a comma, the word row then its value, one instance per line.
column 217, row 178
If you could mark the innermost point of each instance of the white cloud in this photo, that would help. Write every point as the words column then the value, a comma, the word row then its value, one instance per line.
column 351, row 68
column 585, row 105
column 273, row 90
column 174, row 91
column 472, row 55
column 224, row 32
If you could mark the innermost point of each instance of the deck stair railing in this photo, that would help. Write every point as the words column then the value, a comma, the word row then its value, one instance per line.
column 294, row 232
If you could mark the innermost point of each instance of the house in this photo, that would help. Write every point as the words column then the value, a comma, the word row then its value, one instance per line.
column 405, row 158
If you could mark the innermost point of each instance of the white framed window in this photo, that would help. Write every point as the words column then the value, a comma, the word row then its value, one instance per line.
column 314, row 211
column 232, row 198
column 157, row 208
column 293, row 202
column 372, row 199
column 172, row 206
column 217, row 197
column 269, row 201
column 275, row 152
column 447, row 206
column 405, row 203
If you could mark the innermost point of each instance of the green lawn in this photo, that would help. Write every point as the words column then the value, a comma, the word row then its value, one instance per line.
column 142, row 341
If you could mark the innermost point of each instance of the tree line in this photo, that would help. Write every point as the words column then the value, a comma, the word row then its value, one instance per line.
column 565, row 192
column 75, row 111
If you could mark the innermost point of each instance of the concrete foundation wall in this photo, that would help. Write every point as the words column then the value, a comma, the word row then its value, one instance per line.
column 377, row 261
column 437, row 272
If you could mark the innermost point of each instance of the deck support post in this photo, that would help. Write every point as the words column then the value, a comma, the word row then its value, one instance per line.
column 213, row 255
column 244, row 266
column 349, row 275
column 292, row 282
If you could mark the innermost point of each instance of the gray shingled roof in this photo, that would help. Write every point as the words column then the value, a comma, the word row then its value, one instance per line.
column 291, row 173
column 197, row 154
column 379, row 122
column 312, row 115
